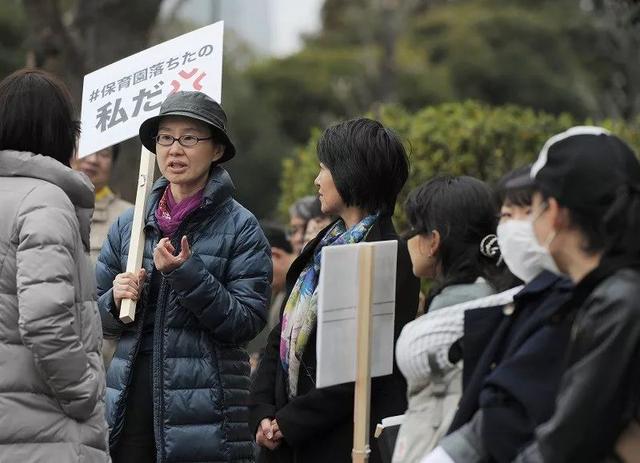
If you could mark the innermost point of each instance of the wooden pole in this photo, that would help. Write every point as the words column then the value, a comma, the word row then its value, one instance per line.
column 360, row 453
column 136, row 244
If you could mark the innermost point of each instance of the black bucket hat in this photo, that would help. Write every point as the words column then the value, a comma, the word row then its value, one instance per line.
column 195, row 105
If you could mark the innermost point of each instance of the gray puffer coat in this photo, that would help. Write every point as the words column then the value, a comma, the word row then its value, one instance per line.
column 52, row 384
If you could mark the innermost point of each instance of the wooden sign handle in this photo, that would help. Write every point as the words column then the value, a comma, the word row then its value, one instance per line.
column 136, row 244
column 362, row 398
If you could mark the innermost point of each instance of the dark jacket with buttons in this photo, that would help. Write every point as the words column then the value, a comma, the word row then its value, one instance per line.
column 318, row 423
column 514, row 357
column 206, row 310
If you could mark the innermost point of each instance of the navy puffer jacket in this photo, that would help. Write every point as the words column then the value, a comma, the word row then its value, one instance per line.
column 206, row 310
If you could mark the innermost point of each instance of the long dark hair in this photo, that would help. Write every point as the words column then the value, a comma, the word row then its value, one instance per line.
column 37, row 115
column 463, row 211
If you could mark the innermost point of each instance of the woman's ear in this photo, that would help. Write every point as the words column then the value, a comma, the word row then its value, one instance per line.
column 434, row 245
column 218, row 152
column 558, row 215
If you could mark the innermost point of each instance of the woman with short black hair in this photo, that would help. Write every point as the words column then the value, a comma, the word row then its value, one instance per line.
column 363, row 167
column 29, row 93
column 360, row 154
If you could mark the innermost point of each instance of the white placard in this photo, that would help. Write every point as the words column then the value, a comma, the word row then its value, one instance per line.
column 337, row 300
column 118, row 97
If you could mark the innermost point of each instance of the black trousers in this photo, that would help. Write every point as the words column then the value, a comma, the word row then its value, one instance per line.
column 137, row 442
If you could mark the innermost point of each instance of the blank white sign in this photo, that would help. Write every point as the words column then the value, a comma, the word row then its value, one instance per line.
column 337, row 323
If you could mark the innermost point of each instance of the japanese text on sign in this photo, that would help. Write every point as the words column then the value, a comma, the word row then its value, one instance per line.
column 117, row 98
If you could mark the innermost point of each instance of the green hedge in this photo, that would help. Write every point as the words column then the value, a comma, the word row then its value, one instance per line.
column 468, row 138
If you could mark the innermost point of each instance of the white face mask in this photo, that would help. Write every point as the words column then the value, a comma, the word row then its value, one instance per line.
column 521, row 251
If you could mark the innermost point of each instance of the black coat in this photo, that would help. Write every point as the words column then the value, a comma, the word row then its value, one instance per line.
column 514, row 357
column 318, row 424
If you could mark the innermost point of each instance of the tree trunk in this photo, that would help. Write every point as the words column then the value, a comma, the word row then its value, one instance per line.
column 91, row 35
column 95, row 33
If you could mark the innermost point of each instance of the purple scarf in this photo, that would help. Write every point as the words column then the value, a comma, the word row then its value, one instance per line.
column 170, row 214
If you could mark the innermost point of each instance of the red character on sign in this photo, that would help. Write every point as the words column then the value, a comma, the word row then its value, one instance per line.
column 186, row 76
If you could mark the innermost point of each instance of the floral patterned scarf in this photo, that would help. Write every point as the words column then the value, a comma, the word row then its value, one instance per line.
column 300, row 312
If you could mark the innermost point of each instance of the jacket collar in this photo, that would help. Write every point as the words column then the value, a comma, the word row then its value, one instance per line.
column 218, row 190
column 76, row 185
column 609, row 265
column 461, row 293
column 542, row 283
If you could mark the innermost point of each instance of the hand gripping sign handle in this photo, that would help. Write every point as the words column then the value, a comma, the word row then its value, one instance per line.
column 136, row 244
column 362, row 399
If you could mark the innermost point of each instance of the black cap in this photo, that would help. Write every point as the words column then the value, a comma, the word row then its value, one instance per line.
column 195, row 105
column 583, row 168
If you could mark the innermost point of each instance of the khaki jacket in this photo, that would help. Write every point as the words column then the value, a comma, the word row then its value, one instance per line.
column 107, row 210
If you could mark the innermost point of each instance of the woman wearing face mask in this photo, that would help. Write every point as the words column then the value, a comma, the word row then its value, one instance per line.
column 586, row 213
column 454, row 222
column 513, row 354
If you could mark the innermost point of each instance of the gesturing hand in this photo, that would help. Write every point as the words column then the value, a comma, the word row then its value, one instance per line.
column 163, row 255
column 128, row 286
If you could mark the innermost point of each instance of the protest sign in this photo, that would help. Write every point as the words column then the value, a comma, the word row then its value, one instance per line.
column 338, row 294
column 118, row 97
column 356, row 313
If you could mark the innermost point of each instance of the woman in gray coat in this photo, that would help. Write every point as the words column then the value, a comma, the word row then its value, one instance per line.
column 52, row 384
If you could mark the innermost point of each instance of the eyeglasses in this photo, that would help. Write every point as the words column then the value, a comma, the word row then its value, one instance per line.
column 165, row 139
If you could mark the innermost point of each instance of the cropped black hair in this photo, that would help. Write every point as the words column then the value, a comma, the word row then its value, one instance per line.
column 463, row 211
column 37, row 115
column 517, row 196
column 368, row 163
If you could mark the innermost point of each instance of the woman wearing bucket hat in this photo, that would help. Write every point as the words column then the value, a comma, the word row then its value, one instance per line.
column 179, row 380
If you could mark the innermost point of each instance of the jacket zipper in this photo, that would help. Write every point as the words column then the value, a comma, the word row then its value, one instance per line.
column 158, row 367
column 158, row 345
